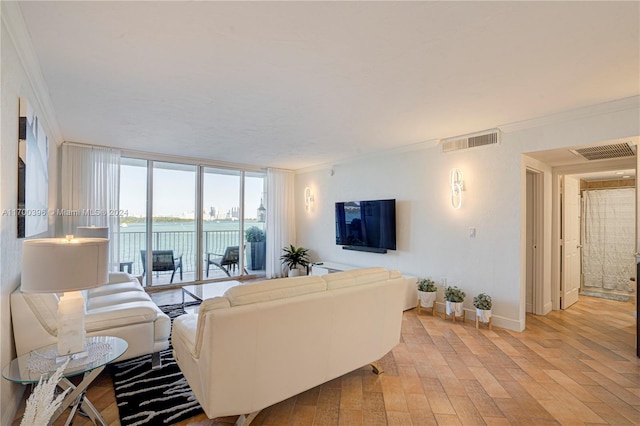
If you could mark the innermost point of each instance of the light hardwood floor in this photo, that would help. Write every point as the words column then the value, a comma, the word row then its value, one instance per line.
column 572, row 367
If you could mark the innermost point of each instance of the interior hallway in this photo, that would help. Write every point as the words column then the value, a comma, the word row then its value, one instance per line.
column 576, row 366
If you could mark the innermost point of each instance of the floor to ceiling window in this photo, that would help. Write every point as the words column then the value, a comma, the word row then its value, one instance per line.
column 221, row 222
column 133, row 222
column 254, row 222
column 207, row 223
column 173, row 224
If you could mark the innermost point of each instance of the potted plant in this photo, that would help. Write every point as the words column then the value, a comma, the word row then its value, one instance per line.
column 426, row 294
column 482, row 303
column 294, row 257
column 256, row 248
column 454, row 297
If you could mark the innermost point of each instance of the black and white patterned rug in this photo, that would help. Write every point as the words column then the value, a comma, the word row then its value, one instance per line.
column 153, row 397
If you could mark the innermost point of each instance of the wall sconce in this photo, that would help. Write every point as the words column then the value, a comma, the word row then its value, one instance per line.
column 456, row 188
column 308, row 199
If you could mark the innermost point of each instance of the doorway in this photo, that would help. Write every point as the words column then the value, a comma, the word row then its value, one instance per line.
column 608, row 236
column 554, row 166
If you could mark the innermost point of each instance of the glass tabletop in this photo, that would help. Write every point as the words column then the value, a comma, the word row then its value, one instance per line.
column 201, row 292
column 30, row 367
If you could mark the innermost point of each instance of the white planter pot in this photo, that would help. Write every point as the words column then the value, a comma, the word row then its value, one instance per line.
column 454, row 308
column 483, row 315
column 294, row 273
column 427, row 298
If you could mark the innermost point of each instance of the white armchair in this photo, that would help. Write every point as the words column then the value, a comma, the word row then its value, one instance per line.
column 120, row 308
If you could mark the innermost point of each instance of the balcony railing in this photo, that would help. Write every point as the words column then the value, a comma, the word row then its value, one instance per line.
column 181, row 242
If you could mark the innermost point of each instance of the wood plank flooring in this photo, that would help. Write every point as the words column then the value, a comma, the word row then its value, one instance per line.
column 575, row 367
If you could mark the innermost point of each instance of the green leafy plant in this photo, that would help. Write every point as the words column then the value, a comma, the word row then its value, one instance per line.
column 425, row 284
column 254, row 235
column 482, row 301
column 294, row 256
column 454, row 294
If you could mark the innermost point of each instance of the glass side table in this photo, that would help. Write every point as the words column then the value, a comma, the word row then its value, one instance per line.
column 30, row 367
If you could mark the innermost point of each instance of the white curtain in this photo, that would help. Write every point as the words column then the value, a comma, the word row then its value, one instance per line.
column 609, row 239
column 281, row 229
column 90, row 192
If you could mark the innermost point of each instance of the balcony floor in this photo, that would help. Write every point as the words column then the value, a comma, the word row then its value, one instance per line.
column 164, row 278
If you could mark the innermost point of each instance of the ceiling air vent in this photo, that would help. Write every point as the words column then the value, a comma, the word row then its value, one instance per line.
column 605, row 152
column 489, row 137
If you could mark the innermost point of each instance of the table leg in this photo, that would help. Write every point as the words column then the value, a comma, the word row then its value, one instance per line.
column 92, row 412
column 76, row 397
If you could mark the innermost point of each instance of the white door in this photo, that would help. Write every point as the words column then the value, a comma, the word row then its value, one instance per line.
column 570, row 241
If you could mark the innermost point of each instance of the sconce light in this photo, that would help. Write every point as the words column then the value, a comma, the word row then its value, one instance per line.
column 308, row 199
column 456, row 188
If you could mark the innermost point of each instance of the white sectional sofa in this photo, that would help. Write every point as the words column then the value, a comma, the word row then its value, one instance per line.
column 120, row 308
column 264, row 342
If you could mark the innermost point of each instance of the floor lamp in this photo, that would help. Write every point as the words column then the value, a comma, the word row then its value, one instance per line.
column 57, row 265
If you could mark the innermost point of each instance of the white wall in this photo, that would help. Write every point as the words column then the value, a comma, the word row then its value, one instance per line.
column 14, row 84
column 432, row 237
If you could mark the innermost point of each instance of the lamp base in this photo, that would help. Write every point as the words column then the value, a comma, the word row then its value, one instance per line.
column 61, row 359
column 71, row 324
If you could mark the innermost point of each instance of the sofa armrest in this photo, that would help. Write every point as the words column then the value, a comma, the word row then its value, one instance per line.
column 121, row 315
column 184, row 331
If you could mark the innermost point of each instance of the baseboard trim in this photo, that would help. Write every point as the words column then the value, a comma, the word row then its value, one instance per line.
column 498, row 321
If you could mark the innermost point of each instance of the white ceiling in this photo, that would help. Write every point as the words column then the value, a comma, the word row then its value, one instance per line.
column 295, row 84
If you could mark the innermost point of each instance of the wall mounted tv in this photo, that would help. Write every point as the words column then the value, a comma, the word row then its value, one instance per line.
column 366, row 225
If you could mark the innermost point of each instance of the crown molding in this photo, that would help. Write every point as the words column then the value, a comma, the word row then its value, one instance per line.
column 13, row 21
column 632, row 102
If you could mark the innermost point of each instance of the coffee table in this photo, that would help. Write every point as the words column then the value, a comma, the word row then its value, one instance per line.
column 41, row 363
column 199, row 292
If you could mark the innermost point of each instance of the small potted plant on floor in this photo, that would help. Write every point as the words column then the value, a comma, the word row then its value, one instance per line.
column 294, row 257
column 454, row 297
column 426, row 294
column 482, row 303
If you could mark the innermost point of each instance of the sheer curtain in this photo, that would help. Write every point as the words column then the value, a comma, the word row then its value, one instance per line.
column 609, row 239
column 281, row 228
column 90, row 192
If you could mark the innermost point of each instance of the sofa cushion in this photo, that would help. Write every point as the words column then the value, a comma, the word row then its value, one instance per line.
column 280, row 288
column 115, row 299
column 114, row 288
column 121, row 315
column 355, row 277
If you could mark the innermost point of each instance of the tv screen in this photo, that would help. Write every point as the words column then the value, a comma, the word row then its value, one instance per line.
column 362, row 225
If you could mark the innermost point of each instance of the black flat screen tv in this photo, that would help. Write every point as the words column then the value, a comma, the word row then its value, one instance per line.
column 366, row 225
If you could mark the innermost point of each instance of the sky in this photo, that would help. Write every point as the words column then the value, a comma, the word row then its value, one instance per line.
column 174, row 191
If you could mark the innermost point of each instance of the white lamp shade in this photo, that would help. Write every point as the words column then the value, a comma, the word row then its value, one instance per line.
column 92, row 232
column 52, row 265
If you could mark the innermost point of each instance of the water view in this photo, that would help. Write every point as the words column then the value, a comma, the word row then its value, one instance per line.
column 179, row 236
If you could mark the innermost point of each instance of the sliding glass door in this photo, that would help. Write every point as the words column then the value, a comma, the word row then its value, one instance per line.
column 221, row 223
column 255, row 215
column 133, row 224
column 173, row 224
column 202, row 223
